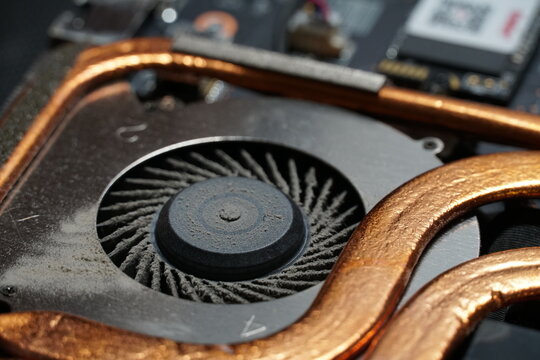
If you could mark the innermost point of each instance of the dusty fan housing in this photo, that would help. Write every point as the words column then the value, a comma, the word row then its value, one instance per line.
column 174, row 221
column 84, row 191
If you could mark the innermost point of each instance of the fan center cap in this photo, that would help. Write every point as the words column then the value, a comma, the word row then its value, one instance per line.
column 230, row 212
column 230, row 228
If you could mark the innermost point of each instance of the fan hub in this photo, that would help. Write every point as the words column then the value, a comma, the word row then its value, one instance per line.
column 230, row 212
column 230, row 228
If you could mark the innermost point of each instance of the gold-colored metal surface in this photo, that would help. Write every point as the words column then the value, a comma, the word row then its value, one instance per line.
column 484, row 121
column 447, row 309
column 102, row 63
column 33, row 335
column 359, row 296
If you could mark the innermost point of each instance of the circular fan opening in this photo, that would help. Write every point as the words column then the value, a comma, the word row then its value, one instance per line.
column 127, row 216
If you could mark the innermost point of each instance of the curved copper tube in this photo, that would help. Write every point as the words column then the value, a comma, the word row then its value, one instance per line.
column 449, row 307
column 106, row 62
column 359, row 296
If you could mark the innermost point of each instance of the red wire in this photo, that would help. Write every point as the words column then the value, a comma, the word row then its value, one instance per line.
column 323, row 7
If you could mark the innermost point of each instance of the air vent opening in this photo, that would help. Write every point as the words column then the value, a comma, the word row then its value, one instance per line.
column 129, row 209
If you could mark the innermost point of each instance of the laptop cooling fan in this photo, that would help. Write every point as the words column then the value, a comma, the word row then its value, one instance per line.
column 243, row 210
column 216, row 223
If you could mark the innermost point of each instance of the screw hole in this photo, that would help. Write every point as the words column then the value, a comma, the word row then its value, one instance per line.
column 432, row 144
column 8, row 290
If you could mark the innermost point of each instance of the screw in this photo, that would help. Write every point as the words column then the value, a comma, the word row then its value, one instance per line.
column 8, row 290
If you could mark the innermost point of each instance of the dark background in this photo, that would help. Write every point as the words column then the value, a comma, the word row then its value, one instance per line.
column 23, row 36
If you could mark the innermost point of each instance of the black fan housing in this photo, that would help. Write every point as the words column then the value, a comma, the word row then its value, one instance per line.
column 229, row 221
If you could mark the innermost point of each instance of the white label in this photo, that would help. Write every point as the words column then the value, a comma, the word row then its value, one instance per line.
column 492, row 25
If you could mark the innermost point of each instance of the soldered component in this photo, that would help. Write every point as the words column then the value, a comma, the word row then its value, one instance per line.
column 318, row 34
column 473, row 48
column 404, row 71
